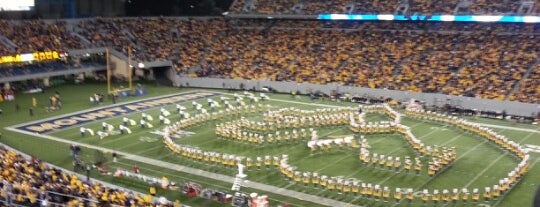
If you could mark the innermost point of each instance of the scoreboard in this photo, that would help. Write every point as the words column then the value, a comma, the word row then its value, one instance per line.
column 29, row 57
column 16, row 5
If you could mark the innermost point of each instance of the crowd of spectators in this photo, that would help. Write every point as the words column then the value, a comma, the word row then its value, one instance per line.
column 30, row 182
column 35, row 35
column 274, row 6
column 312, row 6
column 378, row 6
column 180, row 40
column 530, row 88
column 477, row 60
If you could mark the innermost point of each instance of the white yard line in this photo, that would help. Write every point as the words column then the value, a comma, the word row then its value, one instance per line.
column 480, row 174
column 202, row 173
column 535, row 184
column 509, row 128
column 188, row 179
column 463, row 155
column 451, row 140
column 491, row 164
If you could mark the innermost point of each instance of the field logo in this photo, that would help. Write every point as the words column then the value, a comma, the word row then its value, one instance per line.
column 148, row 139
column 179, row 134
column 52, row 124
column 439, row 128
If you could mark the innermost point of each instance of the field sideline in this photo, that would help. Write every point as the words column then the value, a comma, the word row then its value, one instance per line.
column 152, row 156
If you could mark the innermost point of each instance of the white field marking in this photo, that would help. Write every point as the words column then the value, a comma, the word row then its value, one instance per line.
column 190, row 170
column 509, row 128
column 459, row 157
column 490, row 165
column 185, row 178
column 360, row 167
column 532, row 148
column 485, row 170
column 525, row 139
column 158, row 127
column 333, row 106
column 293, row 147
column 463, row 155
column 388, row 178
column 112, row 105
column 534, row 184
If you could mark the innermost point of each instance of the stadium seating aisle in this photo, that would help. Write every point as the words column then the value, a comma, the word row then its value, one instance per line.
column 530, row 88
column 274, row 6
column 374, row 7
column 493, row 7
column 29, row 181
column 433, row 6
column 317, row 6
column 106, row 32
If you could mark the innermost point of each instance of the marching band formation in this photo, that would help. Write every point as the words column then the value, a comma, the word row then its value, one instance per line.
column 292, row 125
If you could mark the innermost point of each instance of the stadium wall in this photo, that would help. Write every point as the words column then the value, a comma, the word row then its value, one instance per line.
column 511, row 107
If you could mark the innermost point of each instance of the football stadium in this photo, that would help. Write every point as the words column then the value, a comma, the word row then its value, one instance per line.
column 267, row 103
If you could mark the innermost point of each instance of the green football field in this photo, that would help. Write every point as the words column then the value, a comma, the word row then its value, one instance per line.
column 479, row 163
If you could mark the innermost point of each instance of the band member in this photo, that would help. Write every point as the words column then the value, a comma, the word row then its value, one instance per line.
column 417, row 166
column 397, row 165
column 122, row 129
column 104, row 126
column 397, row 195
column 410, row 195
column 386, row 194
column 487, row 194
column 259, row 163
column 435, row 197
column 306, row 179
column 464, row 195
column 249, row 163
column 425, row 196
column 267, row 162
column 82, row 130
column 475, row 195
column 143, row 123
column 455, row 196
column 496, row 192
column 125, row 121
column 408, row 165
column 315, row 180
column 377, row 192
column 389, row 163
column 445, row 197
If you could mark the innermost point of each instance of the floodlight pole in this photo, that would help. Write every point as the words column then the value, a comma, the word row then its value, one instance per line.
column 130, row 70
column 108, row 71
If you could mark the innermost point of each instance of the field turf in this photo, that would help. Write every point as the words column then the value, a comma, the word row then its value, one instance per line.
column 479, row 163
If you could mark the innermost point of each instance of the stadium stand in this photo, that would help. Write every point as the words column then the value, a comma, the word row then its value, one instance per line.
column 274, row 6
column 30, row 182
column 35, row 35
column 477, row 60
column 375, row 6
column 152, row 39
column 530, row 88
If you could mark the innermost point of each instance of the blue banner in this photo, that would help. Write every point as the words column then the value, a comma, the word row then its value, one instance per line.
column 435, row 18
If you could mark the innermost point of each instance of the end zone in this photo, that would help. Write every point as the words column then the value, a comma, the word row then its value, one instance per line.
column 78, row 118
